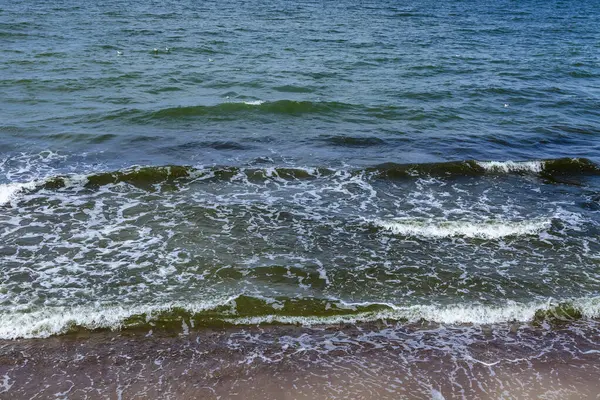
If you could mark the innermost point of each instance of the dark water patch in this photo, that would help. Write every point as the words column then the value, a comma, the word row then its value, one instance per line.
column 364, row 64
column 139, row 32
column 570, row 167
column 12, row 34
column 225, row 145
column 165, row 89
column 226, row 84
column 81, row 137
column 142, row 139
column 199, row 145
column 108, row 47
column 581, row 130
column 409, row 14
column 321, row 75
column 51, row 54
column 582, row 74
column 15, row 130
column 427, row 96
column 293, row 89
column 350, row 141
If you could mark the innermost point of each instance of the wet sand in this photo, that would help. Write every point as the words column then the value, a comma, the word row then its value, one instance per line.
column 285, row 362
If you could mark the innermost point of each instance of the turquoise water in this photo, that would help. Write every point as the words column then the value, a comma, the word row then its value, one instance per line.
column 307, row 163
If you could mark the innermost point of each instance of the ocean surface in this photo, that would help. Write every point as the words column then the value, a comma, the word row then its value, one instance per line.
column 420, row 175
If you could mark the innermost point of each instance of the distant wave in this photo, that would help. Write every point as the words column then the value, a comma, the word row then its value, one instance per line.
column 469, row 229
column 229, row 109
column 350, row 141
column 149, row 176
column 242, row 109
column 248, row 310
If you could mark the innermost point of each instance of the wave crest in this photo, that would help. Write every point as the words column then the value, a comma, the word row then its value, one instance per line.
column 468, row 229
column 248, row 310
column 222, row 110
column 148, row 176
column 10, row 191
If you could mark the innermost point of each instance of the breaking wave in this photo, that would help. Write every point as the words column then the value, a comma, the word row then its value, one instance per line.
column 247, row 310
column 149, row 176
column 469, row 229
column 10, row 191
column 544, row 168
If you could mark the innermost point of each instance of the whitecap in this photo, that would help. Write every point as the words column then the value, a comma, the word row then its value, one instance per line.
column 52, row 321
column 254, row 102
column 469, row 229
column 512, row 166
column 10, row 191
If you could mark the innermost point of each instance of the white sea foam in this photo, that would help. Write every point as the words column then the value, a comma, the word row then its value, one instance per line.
column 470, row 229
column 53, row 321
column 9, row 191
column 437, row 395
column 512, row 166
column 254, row 102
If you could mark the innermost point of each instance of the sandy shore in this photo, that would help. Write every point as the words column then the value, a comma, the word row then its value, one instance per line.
column 367, row 362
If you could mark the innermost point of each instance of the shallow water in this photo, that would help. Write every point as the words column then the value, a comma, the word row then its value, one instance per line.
column 194, row 167
column 360, row 362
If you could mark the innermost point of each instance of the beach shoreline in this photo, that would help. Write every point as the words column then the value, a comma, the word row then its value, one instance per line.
column 290, row 362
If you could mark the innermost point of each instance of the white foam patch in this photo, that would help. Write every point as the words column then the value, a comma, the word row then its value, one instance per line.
column 254, row 102
column 10, row 191
column 469, row 229
column 512, row 166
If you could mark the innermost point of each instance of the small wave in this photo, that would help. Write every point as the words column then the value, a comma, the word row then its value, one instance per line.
column 248, row 310
column 544, row 168
column 468, row 229
column 349, row 141
column 294, row 89
column 512, row 166
column 254, row 102
column 147, row 177
column 232, row 109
